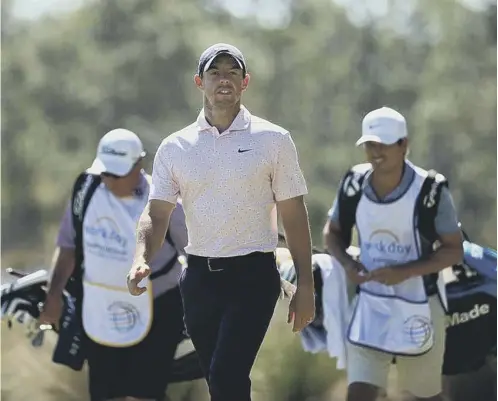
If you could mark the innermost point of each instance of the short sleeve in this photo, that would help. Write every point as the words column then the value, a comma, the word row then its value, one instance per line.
column 288, row 180
column 65, row 236
column 334, row 211
column 446, row 219
column 164, row 187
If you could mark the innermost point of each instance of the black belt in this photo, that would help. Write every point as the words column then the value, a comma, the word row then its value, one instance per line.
column 215, row 264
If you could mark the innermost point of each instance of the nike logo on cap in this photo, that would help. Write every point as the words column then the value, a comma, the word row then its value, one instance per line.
column 244, row 150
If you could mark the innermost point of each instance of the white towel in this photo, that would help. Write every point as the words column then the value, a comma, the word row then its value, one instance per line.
column 336, row 309
column 336, row 306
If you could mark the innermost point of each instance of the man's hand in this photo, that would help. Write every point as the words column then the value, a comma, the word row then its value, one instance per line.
column 357, row 273
column 52, row 310
column 151, row 230
column 302, row 307
column 64, row 262
column 333, row 240
column 390, row 275
column 137, row 273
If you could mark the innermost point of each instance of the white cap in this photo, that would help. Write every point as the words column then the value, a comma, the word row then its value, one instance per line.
column 118, row 151
column 383, row 125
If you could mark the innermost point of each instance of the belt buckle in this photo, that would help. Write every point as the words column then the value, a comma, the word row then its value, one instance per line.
column 211, row 269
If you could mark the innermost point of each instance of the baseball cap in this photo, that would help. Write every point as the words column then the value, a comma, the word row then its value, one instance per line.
column 383, row 125
column 118, row 151
column 208, row 56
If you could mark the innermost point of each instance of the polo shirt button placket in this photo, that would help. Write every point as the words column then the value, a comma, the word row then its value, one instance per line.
column 216, row 135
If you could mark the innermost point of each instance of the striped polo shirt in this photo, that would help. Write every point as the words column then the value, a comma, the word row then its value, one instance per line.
column 229, row 183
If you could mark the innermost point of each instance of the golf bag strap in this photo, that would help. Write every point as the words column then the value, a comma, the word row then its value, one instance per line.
column 350, row 194
column 83, row 190
column 426, row 210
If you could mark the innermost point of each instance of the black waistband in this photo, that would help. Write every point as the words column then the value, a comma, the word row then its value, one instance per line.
column 220, row 264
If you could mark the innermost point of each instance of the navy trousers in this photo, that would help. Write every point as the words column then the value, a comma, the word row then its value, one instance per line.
column 228, row 304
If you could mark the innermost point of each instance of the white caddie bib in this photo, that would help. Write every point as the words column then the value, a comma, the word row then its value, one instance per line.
column 111, row 315
column 394, row 319
column 391, row 324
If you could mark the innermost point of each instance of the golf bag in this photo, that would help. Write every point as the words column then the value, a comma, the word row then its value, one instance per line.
column 471, row 320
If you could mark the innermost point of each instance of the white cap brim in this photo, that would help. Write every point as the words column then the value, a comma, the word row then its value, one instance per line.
column 377, row 139
column 120, row 169
column 116, row 167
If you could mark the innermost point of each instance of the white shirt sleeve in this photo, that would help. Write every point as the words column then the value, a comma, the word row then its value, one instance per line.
column 288, row 180
column 164, row 185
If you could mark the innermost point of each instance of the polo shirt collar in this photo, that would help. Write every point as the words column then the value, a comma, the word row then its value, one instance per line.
column 240, row 123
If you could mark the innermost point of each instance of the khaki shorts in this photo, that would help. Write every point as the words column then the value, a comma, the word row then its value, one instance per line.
column 420, row 375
